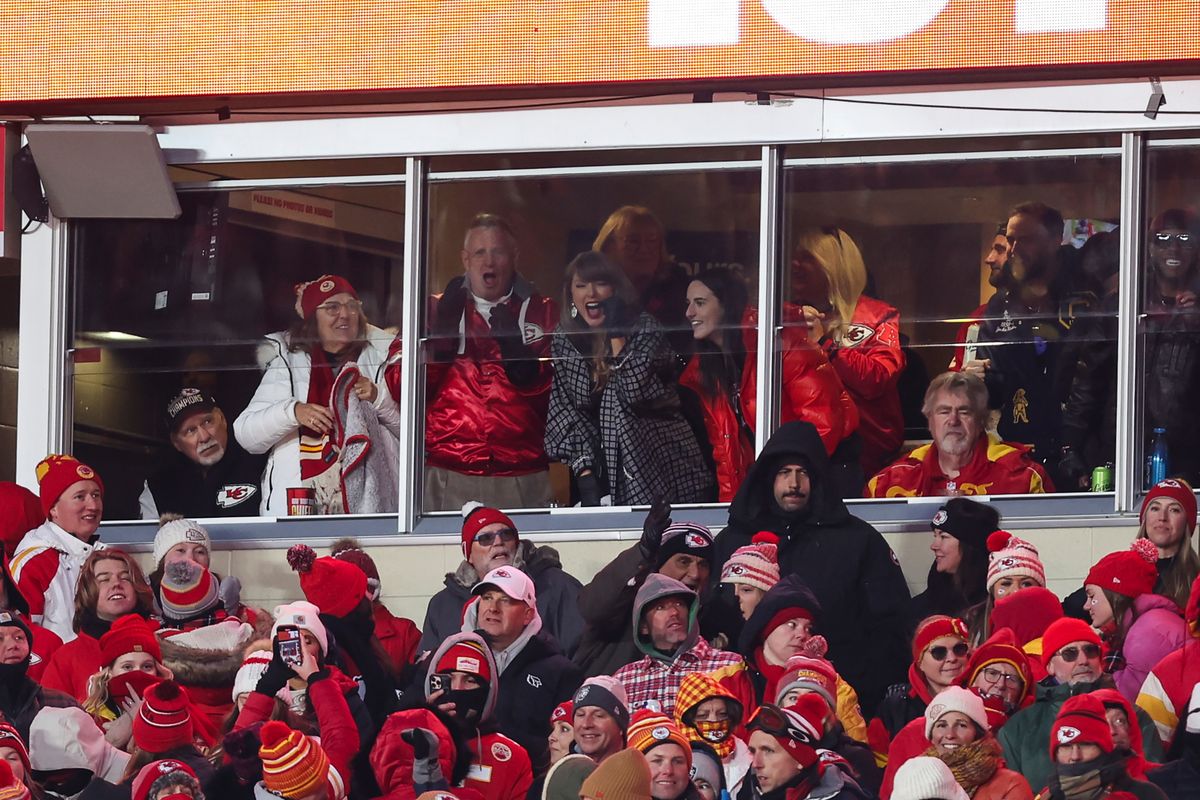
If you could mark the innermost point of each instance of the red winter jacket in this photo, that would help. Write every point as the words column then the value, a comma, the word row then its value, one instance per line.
column 398, row 635
column 868, row 359
column 996, row 467
column 500, row 768
column 810, row 392
column 72, row 665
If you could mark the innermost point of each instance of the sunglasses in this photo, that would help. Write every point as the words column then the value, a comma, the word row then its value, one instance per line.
column 506, row 536
column 1183, row 239
column 940, row 652
column 1070, row 654
column 770, row 719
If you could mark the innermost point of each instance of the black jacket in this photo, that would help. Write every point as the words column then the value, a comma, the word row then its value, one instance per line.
column 21, row 698
column 534, row 682
column 1179, row 780
column 846, row 563
column 790, row 592
column 229, row 488
column 900, row 706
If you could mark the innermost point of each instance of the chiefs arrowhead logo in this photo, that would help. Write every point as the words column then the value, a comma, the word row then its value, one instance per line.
column 1067, row 734
column 696, row 541
column 85, row 472
column 856, row 334
column 939, row 519
column 233, row 494
column 502, row 573
column 501, row 751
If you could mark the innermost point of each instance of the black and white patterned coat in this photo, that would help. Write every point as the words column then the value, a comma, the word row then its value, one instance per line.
column 635, row 438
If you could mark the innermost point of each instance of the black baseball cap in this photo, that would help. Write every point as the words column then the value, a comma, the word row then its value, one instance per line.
column 190, row 400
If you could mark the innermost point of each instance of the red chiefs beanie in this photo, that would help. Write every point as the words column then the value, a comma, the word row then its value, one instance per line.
column 1064, row 631
column 936, row 627
column 20, row 512
column 797, row 728
column 1131, row 572
column 129, row 634
column 320, row 290
column 56, row 473
column 477, row 517
column 1175, row 489
column 164, row 720
column 465, row 656
column 332, row 585
column 1081, row 719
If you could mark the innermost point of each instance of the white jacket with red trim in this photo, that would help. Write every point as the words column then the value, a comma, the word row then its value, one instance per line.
column 46, row 567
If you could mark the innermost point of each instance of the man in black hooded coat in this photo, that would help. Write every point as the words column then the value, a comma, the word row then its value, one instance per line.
column 846, row 562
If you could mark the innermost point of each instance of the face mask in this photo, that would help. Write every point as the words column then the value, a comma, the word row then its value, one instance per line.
column 468, row 703
column 120, row 686
column 717, row 735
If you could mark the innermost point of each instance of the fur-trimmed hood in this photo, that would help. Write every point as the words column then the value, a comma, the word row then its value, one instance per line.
column 212, row 655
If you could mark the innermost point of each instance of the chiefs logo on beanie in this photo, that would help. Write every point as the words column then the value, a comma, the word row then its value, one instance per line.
column 56, row 473
column 1081, row 720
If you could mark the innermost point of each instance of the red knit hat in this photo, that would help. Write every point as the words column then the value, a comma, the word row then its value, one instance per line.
column 797, row 728
column 1028, row 613
column 20, row 512
column 1176, row 489
column 148, row 775
column 936, row 627
column 334, row 586
column 320, row 290
column 1081, row 719
column 10, row 787
column 1131, row 572
column 477, row 517
column 1064, row 631
column 129, row 634
column 1001, row 648
column 782, row 616
column 56, row 473
column 465, row 656
column 10, row 737
column 563, row 712
column 293, row 764
column 164, row 720
column 350, row 551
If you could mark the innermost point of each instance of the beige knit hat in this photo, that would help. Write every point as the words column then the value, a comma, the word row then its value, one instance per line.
column 755, row 564
column 623, row 776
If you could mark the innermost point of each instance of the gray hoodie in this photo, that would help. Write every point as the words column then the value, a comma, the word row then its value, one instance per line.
column 655, row 587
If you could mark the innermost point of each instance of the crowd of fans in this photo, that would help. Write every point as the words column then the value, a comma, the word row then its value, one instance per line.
column 782, row 659
column 642, row 380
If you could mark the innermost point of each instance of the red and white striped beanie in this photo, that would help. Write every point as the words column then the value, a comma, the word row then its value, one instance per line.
column 1012, row 557
column 755, row 564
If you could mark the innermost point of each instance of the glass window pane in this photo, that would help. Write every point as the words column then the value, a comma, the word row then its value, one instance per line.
column 895, row 274
column 574, row 397
column 181, row 404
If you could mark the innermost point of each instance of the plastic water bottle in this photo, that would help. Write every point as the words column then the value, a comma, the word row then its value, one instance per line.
column 1157, row 463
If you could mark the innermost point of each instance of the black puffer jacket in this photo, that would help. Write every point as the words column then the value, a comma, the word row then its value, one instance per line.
column 844, row 561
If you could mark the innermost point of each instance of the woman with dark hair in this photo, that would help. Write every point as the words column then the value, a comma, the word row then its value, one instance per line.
column 1168, row 521
column 614, row 415
column 723, row 372
column 957, row 582
column 111, row 585
column 290, row 415
column 1139, row 626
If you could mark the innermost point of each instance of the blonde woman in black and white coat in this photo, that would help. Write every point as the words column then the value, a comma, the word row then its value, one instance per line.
column 614, row 415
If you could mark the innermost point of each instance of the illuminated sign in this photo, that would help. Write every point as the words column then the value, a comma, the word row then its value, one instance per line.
column 100, row 49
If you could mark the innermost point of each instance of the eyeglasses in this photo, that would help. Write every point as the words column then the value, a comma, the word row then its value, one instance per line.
column 940, row 652
column 507, row 536
column 1182, row 239
column 1070, row 654
column 993, row 675
column 334, row 308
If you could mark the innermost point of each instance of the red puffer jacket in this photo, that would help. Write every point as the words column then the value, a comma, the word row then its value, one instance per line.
column 868, row 359
column 811, row 392
column 476, row 421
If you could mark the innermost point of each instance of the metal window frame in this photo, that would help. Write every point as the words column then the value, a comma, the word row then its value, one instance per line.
column 845, row 116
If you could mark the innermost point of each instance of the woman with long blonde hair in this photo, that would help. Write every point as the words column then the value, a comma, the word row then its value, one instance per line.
column 1168, row 520
column 860, row 335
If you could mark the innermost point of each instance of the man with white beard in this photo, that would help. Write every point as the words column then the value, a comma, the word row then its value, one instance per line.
column 964, row 458
column 208, row 474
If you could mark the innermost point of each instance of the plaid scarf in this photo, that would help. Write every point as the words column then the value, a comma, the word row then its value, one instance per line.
column 973, row 764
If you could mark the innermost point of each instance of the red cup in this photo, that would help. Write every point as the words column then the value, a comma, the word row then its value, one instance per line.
column 301, row 502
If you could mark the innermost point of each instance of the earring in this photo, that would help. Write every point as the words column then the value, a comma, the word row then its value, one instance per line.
column 574, row 312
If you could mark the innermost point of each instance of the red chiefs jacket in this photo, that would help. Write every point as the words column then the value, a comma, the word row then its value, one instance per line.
column 811, row 392
column 996, row 467
column 868, row 359
column 476, row 421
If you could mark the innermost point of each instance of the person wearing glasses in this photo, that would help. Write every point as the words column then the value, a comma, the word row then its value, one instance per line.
column 289, row 416
column 785, row 764
column 1073, row 656
column 939, row 656
column 490, row 540
column 1140, row 627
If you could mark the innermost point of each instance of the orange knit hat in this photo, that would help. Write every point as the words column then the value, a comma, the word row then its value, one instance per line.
column 293, row 765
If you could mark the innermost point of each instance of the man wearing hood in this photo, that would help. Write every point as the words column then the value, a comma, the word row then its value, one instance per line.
column 666, row 630
column 490, row 540
column 844, row 561
column 463, row 681
column 21, row 698
column 534, row 674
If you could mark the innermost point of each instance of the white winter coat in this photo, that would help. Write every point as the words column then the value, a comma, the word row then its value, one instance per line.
column 269, row 421
column 58, row 614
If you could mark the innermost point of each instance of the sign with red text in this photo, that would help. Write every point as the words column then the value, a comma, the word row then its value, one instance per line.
column 91, row 50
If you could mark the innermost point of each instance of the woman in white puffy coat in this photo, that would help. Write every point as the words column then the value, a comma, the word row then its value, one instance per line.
column 290, row 414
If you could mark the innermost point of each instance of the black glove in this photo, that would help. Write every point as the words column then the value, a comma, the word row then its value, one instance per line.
column 657, row 520
column 446, row 317
column 427, row 770
column 616, row 317
column 277, row 675
column 519, row 363
column 589, row 489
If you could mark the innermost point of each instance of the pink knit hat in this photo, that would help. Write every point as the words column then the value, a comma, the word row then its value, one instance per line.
column 1012, row 557
column 755, row 564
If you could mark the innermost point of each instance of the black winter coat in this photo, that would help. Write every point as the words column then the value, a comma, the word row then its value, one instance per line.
column 1179, row 780
column 229, row 488
column 790, row 592
column 534, row 682
column 900, row 706
column 844, row 561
